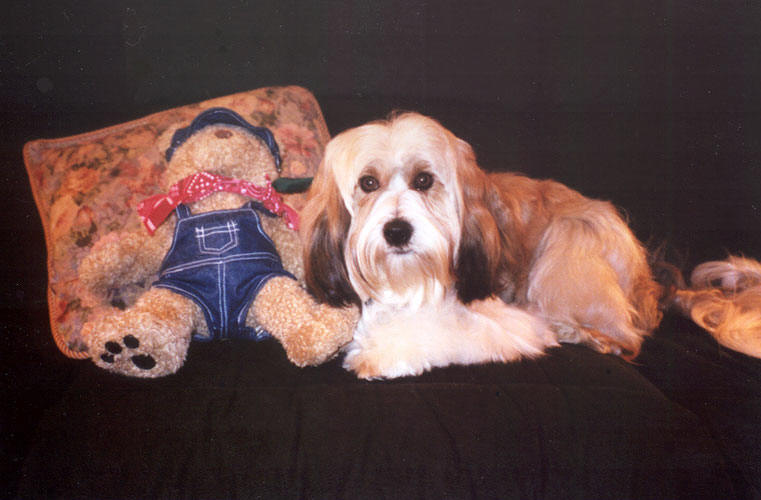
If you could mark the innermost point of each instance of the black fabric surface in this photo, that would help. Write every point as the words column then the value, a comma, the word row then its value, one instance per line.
column 655, row 106
column 721, row 387
column 241, row 420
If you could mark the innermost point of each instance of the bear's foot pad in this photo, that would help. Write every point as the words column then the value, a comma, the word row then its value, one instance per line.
column 128, row 343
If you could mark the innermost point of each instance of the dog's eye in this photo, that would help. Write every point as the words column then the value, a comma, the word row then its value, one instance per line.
column 368, row 183
column 422, row 181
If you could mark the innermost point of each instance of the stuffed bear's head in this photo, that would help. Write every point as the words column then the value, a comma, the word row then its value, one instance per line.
column 224, row 150
column 219, row 162
column 220, row 141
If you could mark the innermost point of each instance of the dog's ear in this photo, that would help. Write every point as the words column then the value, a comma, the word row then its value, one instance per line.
column 324, row 226
column 486, row 255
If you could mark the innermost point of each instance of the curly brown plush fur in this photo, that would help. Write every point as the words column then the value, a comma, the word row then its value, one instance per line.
column 151, row 338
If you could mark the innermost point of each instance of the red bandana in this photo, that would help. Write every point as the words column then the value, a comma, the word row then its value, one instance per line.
column 155, row 209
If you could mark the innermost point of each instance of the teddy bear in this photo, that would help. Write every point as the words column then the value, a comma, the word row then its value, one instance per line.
column 227, row 255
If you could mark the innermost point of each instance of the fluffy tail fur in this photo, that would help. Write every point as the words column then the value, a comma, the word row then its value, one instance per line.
column 725, row 299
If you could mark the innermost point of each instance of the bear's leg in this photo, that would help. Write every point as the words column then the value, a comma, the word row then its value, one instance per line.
column 150, row 339
column 311, row 333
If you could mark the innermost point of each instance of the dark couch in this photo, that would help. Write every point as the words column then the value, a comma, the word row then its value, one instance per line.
column 655, row 107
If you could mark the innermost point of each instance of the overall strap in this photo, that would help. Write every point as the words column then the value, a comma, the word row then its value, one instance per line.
column 182, row 211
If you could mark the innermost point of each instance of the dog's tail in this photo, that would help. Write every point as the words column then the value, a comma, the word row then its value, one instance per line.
column 724, row 297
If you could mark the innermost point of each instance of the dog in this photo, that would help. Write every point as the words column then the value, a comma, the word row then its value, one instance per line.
column 452, row 265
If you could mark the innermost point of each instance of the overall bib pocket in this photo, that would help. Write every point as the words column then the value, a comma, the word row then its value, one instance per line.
column 215, row 240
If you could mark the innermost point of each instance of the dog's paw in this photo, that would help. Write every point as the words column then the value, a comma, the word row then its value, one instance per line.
column 371, row 364
column 154, row 352
column 362, row 366
column 574, row 334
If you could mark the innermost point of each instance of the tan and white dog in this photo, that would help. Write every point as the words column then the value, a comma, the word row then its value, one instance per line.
column 454, row 265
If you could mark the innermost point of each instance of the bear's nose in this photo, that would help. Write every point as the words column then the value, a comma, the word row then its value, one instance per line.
column 397, row 232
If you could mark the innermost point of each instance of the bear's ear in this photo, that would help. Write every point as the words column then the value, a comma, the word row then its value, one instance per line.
column 324, row 226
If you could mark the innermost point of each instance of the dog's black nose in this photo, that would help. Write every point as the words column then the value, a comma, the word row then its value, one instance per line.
column 397, row 232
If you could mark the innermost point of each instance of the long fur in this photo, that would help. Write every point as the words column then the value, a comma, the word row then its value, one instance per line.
column 494, row 266
column 725, row 299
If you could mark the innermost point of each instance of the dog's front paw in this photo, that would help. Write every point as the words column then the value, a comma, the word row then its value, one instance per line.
column 362, row 366
column 135, row 345
column 373, row 364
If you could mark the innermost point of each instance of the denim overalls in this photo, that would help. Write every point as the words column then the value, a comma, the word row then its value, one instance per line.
column 221, row 260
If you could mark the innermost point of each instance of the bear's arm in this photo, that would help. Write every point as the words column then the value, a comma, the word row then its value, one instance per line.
column 120, row 259
column 288, row 245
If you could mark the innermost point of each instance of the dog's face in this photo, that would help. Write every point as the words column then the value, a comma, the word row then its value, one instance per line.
column 398, row 213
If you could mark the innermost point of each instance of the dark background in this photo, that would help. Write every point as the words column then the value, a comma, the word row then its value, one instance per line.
column 655, row 106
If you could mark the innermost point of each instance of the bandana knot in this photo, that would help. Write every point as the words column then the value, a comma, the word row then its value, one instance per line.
column 155, row 209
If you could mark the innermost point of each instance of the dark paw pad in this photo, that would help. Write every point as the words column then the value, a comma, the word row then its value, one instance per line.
column 113, row 347
column 131, row 342
column 108, row 358
column 143, row 361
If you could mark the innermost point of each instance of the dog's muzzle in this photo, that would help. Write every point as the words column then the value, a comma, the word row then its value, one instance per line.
column 397, row 232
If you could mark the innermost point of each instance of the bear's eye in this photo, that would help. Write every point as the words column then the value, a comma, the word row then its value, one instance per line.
column 422, row 181
column 368, row 183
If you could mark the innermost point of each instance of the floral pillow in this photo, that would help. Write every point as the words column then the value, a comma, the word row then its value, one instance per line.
column 88, row 185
